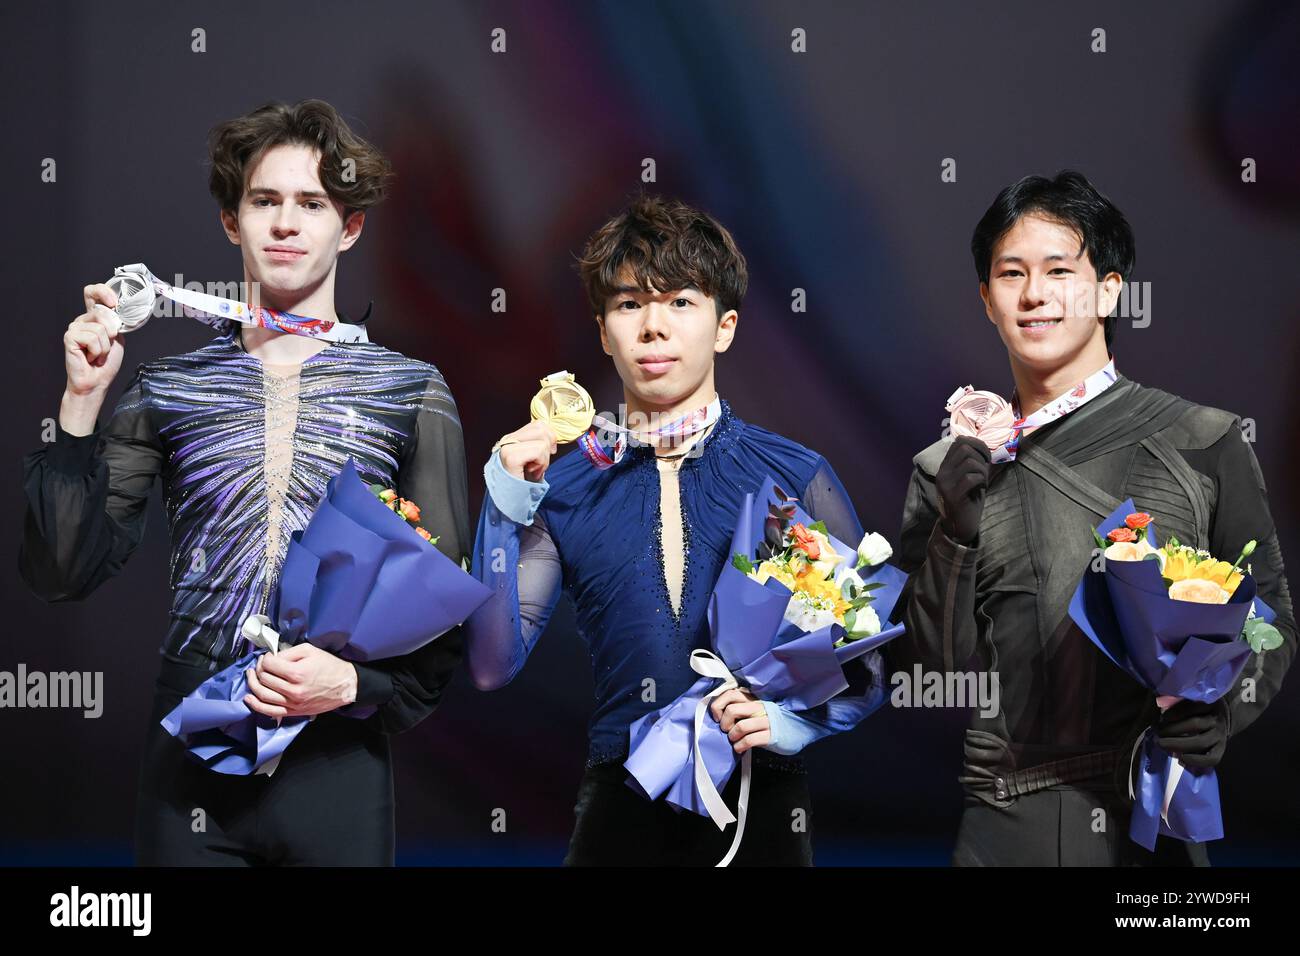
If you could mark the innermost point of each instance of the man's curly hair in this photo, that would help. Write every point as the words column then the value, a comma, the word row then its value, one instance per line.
column 663, row 244
column 236, row 146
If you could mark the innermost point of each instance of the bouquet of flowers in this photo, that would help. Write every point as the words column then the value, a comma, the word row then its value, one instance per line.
column 354, row 582
column 405, row 507
column 824, row 588
column 787, row 613
column 1182, row 623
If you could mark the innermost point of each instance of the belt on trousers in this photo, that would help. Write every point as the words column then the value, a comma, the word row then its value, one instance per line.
column 1069, row 770
column 994, row 780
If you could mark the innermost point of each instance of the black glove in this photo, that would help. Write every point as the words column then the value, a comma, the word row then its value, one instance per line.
column 1195, row 733
column 962, row 481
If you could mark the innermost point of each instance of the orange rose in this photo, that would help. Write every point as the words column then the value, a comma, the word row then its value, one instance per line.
column 1122, row 534
column 423, row 534
column 410, row 510
column 1138, row 521
column 804, row 541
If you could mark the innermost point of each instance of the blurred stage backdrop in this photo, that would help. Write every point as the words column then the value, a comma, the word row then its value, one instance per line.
column 826, row 165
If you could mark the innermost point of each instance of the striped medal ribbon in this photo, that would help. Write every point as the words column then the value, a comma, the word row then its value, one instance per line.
column 600, row 453
column 137, row 290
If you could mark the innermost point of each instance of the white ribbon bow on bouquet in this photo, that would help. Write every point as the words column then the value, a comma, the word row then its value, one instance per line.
column 707, row 664
column 1176, row 770
column 257, row 631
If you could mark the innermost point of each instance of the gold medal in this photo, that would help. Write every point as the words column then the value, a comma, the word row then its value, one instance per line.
column 564, row 405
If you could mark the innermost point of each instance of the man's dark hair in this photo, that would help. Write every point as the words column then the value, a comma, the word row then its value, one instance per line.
column 236, row 145
column 667, row 245
column 1072, row 201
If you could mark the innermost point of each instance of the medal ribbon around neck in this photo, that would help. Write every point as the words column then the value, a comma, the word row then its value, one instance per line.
column 993, row 420
column 137, row 290
column 678, row 429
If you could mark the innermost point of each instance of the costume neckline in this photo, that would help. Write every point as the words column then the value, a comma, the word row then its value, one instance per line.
column 235, row 343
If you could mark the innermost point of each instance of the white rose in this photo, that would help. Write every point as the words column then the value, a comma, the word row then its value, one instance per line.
column 1199, row 591
column 866, row 622
column 873, row 549
column 846, row 573
column 1133, row 551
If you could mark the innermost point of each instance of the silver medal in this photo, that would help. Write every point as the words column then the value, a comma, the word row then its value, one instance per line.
column 133, row 287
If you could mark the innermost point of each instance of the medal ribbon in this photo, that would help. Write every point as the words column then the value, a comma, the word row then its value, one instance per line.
column 1062, row 405
column 137, row 289
column 979, row 412
column 679, row 428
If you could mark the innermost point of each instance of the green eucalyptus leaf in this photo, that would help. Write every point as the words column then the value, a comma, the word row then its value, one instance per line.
column 1261, row 636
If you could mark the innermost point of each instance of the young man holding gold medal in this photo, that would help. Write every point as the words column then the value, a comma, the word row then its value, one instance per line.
column 245, row 432
column 998, row 530
column 636, row 532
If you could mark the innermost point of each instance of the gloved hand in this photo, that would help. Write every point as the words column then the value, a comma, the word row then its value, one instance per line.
column 1195, row 733
column 961, row 481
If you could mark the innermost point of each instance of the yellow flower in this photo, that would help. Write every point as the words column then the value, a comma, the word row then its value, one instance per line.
column 822, row 590
column 1217, row 571
column 813, row 582
column 1185, row 563
column 832, row 602
column 1178, row 563
column 770, row 569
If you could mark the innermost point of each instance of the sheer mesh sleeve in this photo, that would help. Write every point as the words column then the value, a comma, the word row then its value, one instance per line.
column 87, row 499
column 431, row 473
column 827, row 501
column 522, row 567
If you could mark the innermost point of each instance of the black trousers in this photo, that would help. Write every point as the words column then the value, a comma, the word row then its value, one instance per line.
column 616, row 826
column 1065, row 825
column 329, row 803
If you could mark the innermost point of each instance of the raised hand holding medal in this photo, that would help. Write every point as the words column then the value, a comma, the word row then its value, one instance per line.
column 92, row 357
column 93, row 346
column 562, row 411
column 985, row 416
